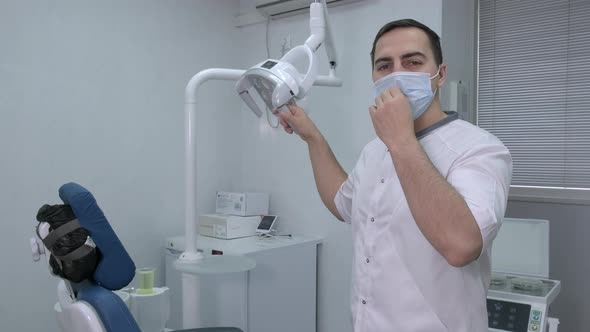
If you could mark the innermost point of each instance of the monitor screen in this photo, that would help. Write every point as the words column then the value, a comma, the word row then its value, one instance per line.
column 266, row 222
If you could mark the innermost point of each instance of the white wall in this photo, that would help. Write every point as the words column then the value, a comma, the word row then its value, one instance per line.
column 278, row 163
column 93, row 92
column 458, row 41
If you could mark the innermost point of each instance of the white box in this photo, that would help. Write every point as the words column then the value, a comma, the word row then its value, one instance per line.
column 223, row 226
column 241, row 204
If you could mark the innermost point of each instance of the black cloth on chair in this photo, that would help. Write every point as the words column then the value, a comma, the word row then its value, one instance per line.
column 79, row 267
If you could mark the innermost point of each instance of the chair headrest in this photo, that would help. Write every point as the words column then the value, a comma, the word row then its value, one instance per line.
column 115, row 268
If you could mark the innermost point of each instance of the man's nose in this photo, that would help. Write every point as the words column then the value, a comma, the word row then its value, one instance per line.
column 397, row 67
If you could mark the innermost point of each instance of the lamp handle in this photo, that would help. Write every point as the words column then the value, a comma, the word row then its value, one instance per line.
column 306, row 80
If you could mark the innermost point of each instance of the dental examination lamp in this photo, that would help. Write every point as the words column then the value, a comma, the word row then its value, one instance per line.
column 278, row 83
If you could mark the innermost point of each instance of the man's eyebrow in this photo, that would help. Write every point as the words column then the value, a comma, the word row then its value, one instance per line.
column 405, row 56
column 411, row 54
column 384, row 59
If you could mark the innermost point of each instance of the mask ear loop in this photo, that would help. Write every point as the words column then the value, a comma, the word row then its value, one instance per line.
column 433, row 77
column 437, row 72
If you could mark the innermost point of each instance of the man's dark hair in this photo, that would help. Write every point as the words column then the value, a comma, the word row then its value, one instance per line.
column 409, row 23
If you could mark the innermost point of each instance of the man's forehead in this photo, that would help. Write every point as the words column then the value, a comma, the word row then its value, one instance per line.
column 402, row 41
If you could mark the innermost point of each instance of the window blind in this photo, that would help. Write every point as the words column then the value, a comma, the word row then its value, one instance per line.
column 534, row 87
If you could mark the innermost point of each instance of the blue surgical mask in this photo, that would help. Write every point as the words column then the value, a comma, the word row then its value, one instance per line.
column 415, row 86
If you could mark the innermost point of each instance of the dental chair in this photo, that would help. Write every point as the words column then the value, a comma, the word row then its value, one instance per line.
column 91, row 305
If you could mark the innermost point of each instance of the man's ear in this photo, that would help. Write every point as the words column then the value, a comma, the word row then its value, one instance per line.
column 442, row 75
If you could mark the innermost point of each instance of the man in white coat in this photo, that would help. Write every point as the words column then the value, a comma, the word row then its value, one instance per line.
column 425, row 199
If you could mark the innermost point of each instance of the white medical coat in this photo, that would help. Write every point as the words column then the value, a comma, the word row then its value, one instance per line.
column 400, row 282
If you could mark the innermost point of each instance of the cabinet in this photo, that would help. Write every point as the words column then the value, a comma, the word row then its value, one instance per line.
column 281, row 289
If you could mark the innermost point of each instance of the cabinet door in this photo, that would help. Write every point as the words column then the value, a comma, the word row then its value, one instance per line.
column 282, row 292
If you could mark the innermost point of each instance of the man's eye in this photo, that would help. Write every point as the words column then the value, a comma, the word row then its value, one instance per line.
column 383, row 67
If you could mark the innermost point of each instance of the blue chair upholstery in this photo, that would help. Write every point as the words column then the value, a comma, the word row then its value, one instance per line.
column 115, row 268
column 113, row 312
